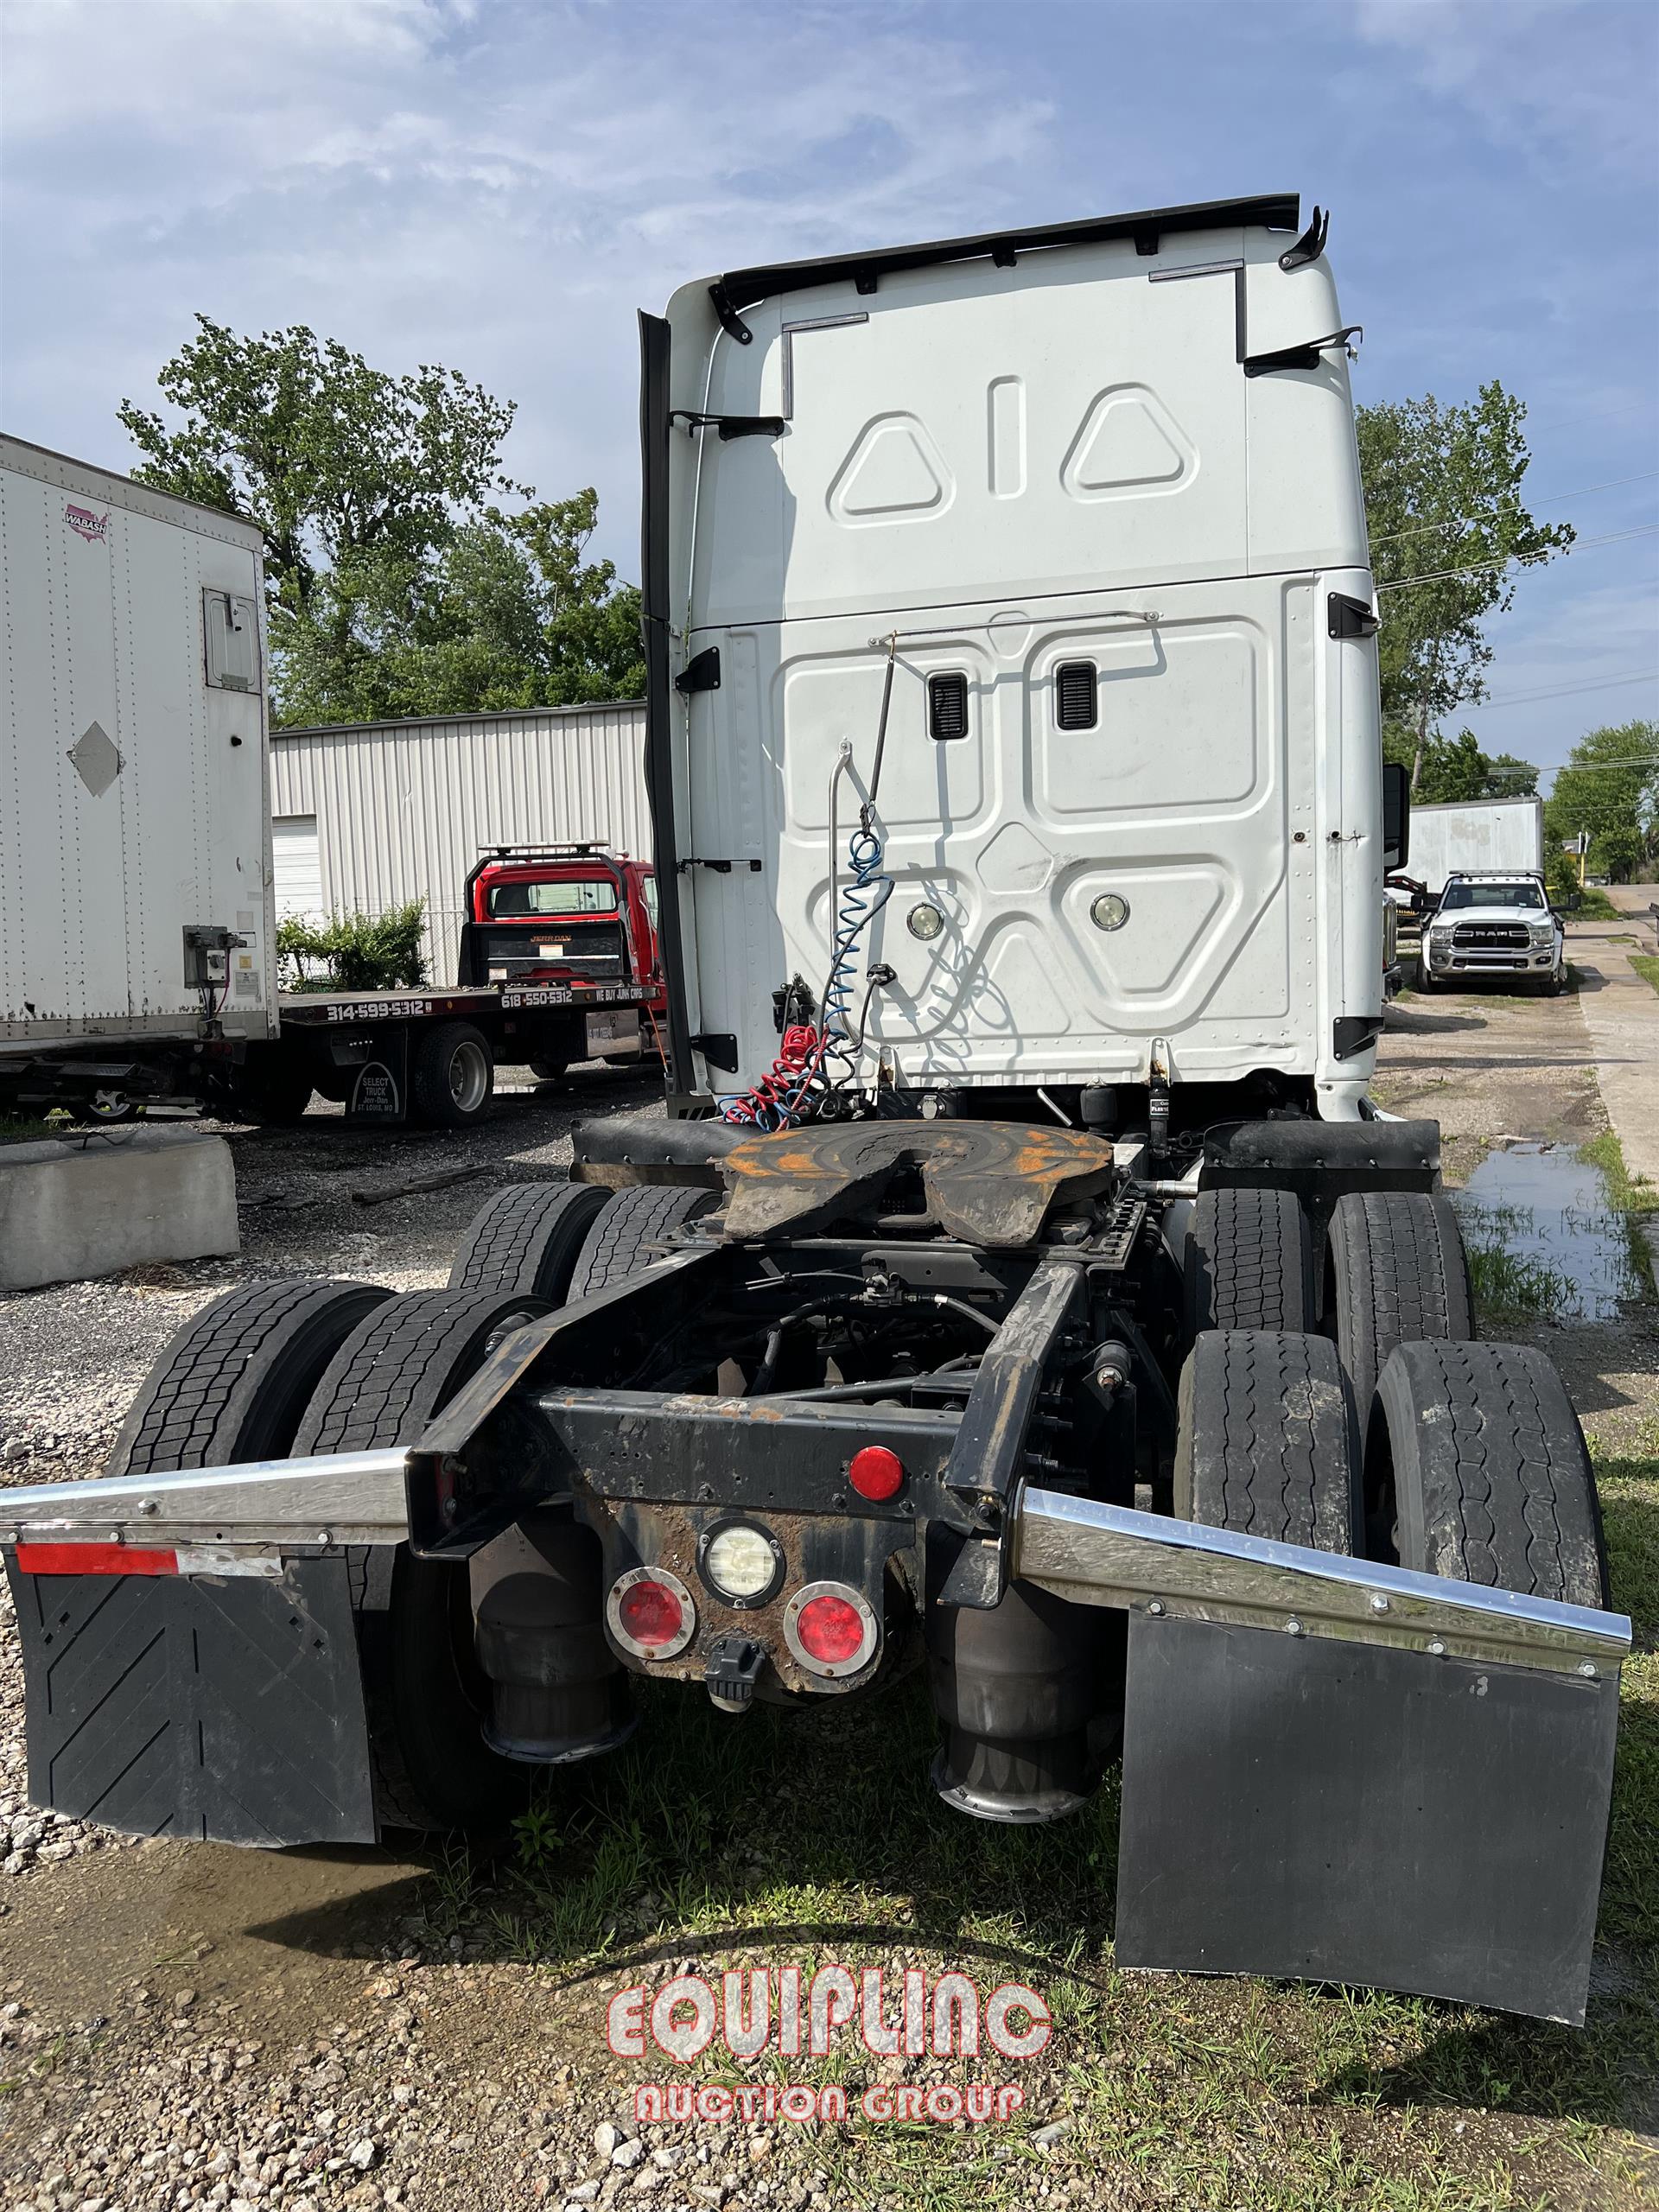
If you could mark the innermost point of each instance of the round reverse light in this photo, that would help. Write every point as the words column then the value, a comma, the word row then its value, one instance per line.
column 1109, row 911
column 924, row 921
column 830, row 1629
column 876, row 1472
column 742, row 1564
column 652, row 1613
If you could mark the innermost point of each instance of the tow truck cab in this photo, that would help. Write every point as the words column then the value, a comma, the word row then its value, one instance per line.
column 559, row 914
column 575, row 918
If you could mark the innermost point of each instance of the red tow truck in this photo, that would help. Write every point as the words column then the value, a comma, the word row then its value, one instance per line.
column 575, row 919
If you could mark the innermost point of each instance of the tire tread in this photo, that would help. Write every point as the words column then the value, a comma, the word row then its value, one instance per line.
column 218, row 1394
column 627, row 1225
column 1494, row 1483
column 1269, row 1441
column 528, row 1237
column 1249, row 1262
column 1400, row 1275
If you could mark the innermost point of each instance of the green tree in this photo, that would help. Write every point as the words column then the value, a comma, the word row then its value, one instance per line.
column 1453, row 768
column 1448, row 529
column 395, row 586
column 508, row 613
column 1609, row 787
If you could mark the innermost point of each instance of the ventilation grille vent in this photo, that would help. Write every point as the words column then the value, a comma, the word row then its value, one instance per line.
column 1075, row 695
column 947, row 706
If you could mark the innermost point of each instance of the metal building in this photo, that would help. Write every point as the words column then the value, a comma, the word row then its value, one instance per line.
column 367, row 815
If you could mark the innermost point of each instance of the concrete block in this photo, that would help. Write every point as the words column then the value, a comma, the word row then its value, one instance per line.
column 89, row 1206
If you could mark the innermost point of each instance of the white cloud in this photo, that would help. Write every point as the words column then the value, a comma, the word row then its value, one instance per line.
column 1555, row 80
column 496, row 189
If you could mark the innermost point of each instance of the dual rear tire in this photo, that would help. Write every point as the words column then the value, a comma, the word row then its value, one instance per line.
column 1469, row 1464
column 1393, row 1435
column 300, row 1365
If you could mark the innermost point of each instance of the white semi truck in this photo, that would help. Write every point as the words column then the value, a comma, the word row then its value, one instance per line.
column 138, row 930
column 1022, row 1277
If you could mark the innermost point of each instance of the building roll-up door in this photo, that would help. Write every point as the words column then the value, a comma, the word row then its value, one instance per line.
column 297, row 863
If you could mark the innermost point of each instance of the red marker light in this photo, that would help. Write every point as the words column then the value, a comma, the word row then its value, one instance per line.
column 876, row 1472
column 650, row 1614
column 830, row 1630
column 93, row 1559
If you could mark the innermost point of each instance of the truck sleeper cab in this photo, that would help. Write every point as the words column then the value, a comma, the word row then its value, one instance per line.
column 1021, row 1278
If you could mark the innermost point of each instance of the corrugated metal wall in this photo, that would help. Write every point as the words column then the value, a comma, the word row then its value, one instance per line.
column 402, row 809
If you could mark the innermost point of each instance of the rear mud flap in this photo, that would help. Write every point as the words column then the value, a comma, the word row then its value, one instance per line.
column 223, row 1708
column 1327, row 1811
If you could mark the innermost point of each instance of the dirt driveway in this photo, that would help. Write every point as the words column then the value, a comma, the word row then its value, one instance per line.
column 187, row 2025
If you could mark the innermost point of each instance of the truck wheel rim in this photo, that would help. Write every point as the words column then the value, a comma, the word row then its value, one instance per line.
column 469, row 1077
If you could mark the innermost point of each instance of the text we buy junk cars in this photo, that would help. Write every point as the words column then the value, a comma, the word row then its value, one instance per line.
column 793, row 2012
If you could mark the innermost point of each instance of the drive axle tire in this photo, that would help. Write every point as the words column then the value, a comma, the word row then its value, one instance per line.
column 235, row 1382
column 546, row 1071
column 1396, row 1272
column 528, row 1238
column 619, row 1243
column 1476, row 1468
column 1269, row 1442
column 1249, row 1262
column 426, row 1699
column 452, row 1078
column 402, row 1365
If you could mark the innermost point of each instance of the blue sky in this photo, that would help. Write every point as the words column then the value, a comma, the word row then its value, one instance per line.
column 497, row 186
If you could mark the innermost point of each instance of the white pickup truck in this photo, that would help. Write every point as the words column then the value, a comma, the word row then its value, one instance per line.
column 1497, row 924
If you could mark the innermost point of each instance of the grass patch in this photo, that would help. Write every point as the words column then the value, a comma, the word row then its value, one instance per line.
column 796, row 1839
column 1646, row 965
column 20, row 1129
column 1594, row 906
column 1626, row 1193
column 1509, row 1287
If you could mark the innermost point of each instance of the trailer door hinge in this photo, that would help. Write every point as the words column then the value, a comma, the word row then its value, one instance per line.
column 723, row 868
column 701, row 672
column 1349, row 618
column 731, row 426
column 718, row 1047
column 1305, row 356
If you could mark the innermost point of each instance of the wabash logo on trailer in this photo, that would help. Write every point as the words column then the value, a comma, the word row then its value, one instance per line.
column 94, row 528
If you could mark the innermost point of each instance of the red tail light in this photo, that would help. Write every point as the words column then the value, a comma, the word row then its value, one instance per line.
column 830, row 1629
column 652, row 1612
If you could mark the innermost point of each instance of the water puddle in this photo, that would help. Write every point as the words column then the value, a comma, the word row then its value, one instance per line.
column 1575, row 1257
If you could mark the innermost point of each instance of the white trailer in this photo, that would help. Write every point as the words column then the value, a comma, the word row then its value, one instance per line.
column 1476, row 838
column 133, row 764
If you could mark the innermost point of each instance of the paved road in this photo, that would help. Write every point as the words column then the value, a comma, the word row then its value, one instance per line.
column 1621, row 1011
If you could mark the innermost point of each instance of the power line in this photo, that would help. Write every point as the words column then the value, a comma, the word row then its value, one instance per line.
column 1555, row 498
column 1474, row 568
column 1561, row 691
column 1602, row 768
